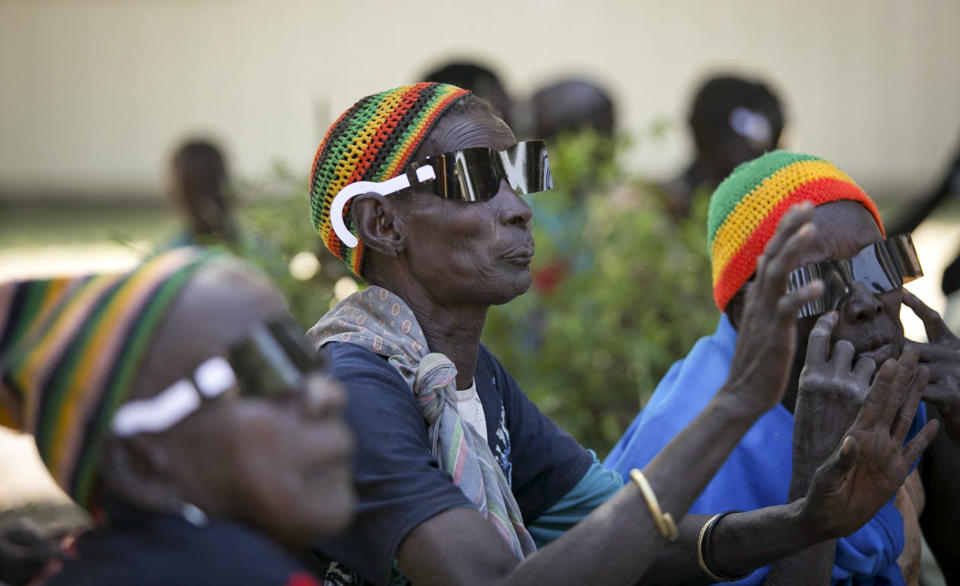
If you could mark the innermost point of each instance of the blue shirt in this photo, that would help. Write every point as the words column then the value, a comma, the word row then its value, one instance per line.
column 758, row 471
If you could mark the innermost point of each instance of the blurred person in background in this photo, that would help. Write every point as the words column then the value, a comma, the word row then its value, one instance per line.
column 460, row 478
column 198, row 189
column 916, row 212
column 574, row 113
column 732, row 120
column 571, row 106
column 858, row 330
column 181, row 405
column 479, row 79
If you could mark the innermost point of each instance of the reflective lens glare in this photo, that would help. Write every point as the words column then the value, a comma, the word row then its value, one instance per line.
column 273, row 359
column 467, row 175
column 475, row 174
column 882, row 266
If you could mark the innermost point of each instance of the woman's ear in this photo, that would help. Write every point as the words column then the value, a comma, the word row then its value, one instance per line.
column 138, row 470
column 378, row 223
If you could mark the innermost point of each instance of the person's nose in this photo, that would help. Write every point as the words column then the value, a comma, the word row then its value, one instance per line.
column 514, row 211
column 323, row 398
column 861, row 305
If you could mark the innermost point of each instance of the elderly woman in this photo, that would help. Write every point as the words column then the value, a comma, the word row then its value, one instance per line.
column 182, row 407
column 460, row 479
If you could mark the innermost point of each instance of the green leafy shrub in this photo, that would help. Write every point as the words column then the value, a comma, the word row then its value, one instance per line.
column 634, row 297
column 276, row 230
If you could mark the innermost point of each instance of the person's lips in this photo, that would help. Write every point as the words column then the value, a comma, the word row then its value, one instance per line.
column 521, row 256
column 877, row 349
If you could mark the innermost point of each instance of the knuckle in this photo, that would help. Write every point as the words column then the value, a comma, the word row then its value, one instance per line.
column 843, row 346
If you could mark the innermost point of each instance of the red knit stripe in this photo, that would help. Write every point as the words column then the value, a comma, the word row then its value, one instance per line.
column 743, row 264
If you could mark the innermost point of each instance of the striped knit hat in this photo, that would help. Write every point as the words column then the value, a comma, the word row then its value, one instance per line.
column 746, row 208
column 372, row 141
column 70, row 352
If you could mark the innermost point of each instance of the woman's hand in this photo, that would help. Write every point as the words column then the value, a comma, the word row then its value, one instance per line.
column 830, row 393
column 872, row 462
column 767, row 330
column 941, row 356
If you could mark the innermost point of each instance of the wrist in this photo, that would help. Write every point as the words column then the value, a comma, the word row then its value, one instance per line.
column 808, row 521
column 734, row 403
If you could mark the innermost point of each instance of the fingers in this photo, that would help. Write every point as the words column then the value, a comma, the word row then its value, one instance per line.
column 777, row 267
column 818, row 344
column 864, row 369
column 939, row 393
column 843, row 352
column 936, row 329
column 895, row 394
column 841, row 462
column 935, row 352
column 789, row 305
column 911, row 402
column 795, row 217
column 879, row 395
column 919, row 443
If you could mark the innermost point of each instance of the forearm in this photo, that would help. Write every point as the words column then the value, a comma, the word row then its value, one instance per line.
column 811, row 566
column 740, row 543
column 622, row 532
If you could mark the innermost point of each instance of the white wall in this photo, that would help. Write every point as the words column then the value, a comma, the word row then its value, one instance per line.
column 93, row 93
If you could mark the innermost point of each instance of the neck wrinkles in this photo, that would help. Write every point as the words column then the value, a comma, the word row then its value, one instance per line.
column 453, row 330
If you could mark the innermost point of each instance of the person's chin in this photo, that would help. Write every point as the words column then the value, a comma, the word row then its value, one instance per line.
column 517, row 287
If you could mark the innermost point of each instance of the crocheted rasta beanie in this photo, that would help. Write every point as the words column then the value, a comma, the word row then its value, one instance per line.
column 746, row 208
column 70, row 352
column 372, row 141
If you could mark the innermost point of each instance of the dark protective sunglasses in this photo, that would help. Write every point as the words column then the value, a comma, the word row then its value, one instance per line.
column 271, row 360
column 467, row 175
column 882, row 266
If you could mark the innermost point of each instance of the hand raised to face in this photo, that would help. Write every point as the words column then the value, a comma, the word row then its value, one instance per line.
column 831, row 390
column 872, row 462
column 941, row 356
column 766, row 342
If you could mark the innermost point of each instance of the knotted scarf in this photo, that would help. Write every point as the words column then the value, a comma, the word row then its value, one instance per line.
column 379, row 321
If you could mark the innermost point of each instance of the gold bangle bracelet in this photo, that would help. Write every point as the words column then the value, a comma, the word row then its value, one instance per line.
column 664, row 521
column 700, row 540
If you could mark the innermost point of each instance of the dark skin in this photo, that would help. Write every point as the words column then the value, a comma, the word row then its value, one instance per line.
column 940, row 466
column 449, row 261
column 257, row 460
column 865, row 331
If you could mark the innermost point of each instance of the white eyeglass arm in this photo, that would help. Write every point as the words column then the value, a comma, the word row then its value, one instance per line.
column 171, row 405
column 381, row 188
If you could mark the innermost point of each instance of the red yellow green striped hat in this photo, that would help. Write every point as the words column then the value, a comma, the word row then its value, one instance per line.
column 70, row 352
column 372, row 141
column 746, row 208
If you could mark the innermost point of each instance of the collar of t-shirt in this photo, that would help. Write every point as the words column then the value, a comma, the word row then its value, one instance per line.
column 470, row 409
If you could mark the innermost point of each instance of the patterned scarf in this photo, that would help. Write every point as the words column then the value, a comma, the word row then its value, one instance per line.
column 381, row 322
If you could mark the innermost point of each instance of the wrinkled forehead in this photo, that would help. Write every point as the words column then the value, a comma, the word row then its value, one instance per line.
column 472, row 129
column 843, row 228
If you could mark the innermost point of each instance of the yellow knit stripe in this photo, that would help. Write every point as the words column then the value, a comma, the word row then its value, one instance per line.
column 42, row 358
column 756, row 205
column 348, row 163
column 91, row 372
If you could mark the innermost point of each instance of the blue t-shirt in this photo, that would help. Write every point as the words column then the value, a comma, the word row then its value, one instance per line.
column 400, row 485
